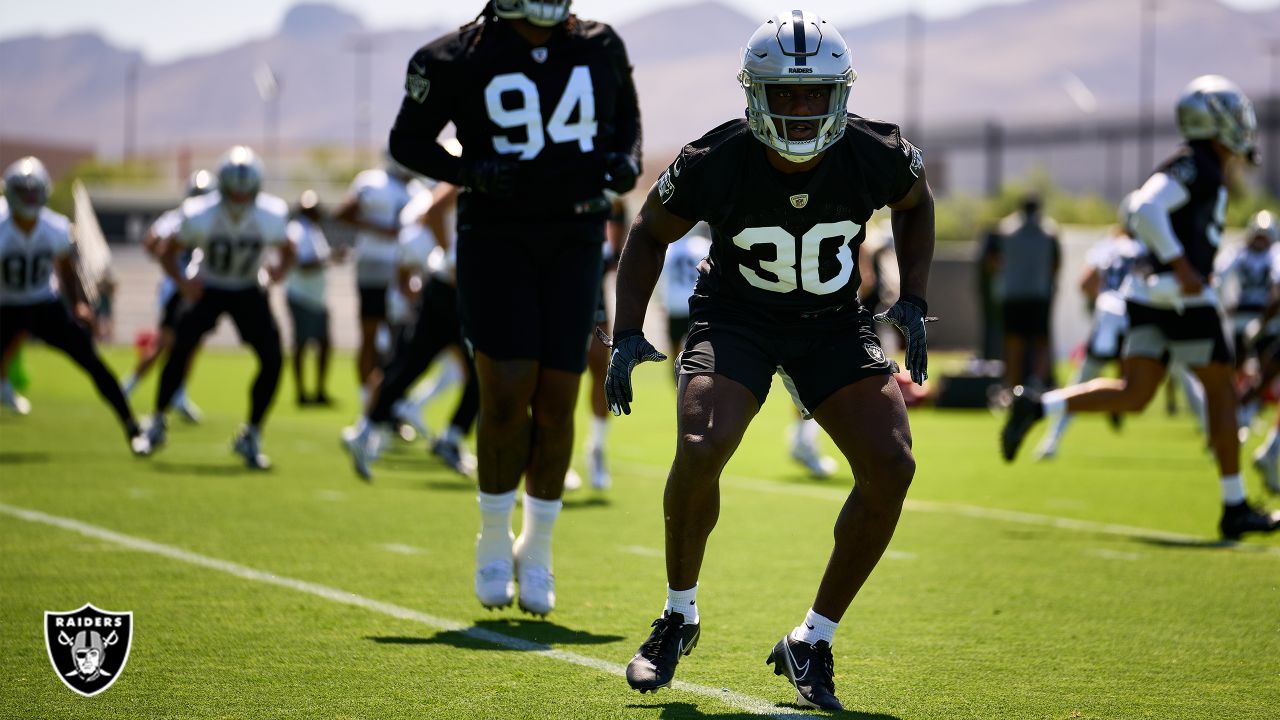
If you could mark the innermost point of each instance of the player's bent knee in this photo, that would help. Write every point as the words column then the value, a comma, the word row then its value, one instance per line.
column 704, row 450
column 888, row 471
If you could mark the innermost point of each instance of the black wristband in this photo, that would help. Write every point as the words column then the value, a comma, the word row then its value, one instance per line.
column 917, row 302
column 624, row 334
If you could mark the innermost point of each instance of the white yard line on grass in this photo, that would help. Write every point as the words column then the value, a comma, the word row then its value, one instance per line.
column 975, row 511
column 733, row 699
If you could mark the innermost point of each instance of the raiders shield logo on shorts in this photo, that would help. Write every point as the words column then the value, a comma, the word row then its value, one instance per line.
column 88, row 647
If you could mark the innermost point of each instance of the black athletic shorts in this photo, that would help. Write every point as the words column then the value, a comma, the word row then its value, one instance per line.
column 1194, row 337
column 1027, row 317
column 51, row 321
column 249, row 311
column 373, row 303
column 173, row 309
column 531, row 293
column 677, row 328
column 815, row 359
column 309, row 322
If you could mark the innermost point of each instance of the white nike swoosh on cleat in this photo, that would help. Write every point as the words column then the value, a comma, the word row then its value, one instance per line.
column 791, row 660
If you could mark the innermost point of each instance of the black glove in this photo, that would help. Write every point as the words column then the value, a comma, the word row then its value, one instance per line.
column 909, row 316
column 620, row 172
column 492, row 176
column 629, row 349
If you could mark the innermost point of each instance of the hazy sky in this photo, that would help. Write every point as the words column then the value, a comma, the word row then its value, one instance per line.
column 169, row 29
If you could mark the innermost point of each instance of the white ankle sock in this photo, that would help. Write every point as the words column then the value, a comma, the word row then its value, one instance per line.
column 1054, row 402
column 1232, row 489
column 598, row 433
column 684, row 602
column 495, row 539
column 535, row 537
column 814, row 628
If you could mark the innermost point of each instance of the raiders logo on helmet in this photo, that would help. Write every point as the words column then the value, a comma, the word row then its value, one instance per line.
column 88, row 647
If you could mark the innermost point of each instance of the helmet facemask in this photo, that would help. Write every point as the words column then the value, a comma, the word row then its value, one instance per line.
column 543, row 13
column 26, row 188
column 799, row 49
column 239, row 178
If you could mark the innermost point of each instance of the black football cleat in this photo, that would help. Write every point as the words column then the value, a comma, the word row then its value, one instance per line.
column 809, row 668
column 654, row 665
column 1024, row 411
column 1244, row 518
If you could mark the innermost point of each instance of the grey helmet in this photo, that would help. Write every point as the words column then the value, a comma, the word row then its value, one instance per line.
column 1263, row 224
column 798, row 47
column 544, row 13
column 200, row 183
column 26, row 187
column 1213, row 108
column 239, row 176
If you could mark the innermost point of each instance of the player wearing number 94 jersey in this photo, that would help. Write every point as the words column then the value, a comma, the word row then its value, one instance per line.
column 787, row 193
column 546, row 113
column 233, row 228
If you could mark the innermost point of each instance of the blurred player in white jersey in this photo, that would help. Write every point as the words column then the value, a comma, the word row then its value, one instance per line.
column 307, row 294
column 171, row 302
column 373, row 206
column 233, row 228
column 1253, row 272
column 35, row 245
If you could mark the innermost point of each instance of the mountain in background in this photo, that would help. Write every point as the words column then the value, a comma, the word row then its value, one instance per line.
column 1011, row 63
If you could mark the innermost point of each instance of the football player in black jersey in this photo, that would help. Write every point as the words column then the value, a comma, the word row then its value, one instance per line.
column 787, row 192
column 546, row 111
column 1174, row 313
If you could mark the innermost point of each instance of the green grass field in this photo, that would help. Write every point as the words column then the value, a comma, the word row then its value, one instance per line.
column 1089, row 587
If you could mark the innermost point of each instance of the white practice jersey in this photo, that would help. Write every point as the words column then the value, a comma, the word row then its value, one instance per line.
column 166, row 226
column 380, row 198
column 307, row 286
column 680, row 272
column 233, row 249
column 1255, row 273
column 26, row 261
column 1115, row 258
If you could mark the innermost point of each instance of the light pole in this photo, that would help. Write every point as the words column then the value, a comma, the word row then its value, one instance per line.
column 130, row 109
column 269, row 91
column 362, row 45
column 913, row 82
column 1146, row 85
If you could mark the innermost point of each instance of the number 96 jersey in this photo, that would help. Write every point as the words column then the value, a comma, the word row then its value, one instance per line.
column 26, row 260
column 553, row 109
column 786, row 246
column 232, row 247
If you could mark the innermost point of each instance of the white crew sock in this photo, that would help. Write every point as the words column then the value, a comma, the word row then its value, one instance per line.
column 804, row 433
column 364, row 397
column 535, row 537
column 451, row 373
column 684, row 602
column 1232, row 489
column 127, row 385
column 598, row 433
column 495, row 539
column 179, row 397
column 814, row 628
column 1054, row 402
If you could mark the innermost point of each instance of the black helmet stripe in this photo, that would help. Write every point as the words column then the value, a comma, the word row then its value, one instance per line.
column 797, row 29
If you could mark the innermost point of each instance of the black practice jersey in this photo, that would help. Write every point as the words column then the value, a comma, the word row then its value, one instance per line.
column 554, row 109
column 1198, row 223
column 787, row 245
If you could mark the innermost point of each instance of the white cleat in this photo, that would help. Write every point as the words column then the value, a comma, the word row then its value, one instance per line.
column 598, row 469
column 13, row 400
column 157, row 433
column 357, row 446
column 1266, row 463
column 1047, row 451
column 404, row 412
column 537, row 587
column 139, row 445
column 495, row 584
column 572, row 480
column 248, row 446
column 819, row 466
column 189, row 411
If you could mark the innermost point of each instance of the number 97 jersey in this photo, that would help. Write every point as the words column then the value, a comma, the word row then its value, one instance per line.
column 232, row 245
column 786, row 245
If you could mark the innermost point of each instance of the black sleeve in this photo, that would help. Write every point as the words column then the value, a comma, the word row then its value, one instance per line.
column 626, row 135
column 895, row 163
column 423, row 114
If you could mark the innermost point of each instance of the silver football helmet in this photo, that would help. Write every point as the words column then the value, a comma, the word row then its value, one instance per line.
column 26, row 187
column 798, row 47
column 239, row 176
column 200, row 183
column 1263, row 225
column 1213, row 108
column 544, row 13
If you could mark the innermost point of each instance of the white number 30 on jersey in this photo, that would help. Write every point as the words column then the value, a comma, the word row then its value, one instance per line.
column 783, row 266
column 578, row 93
